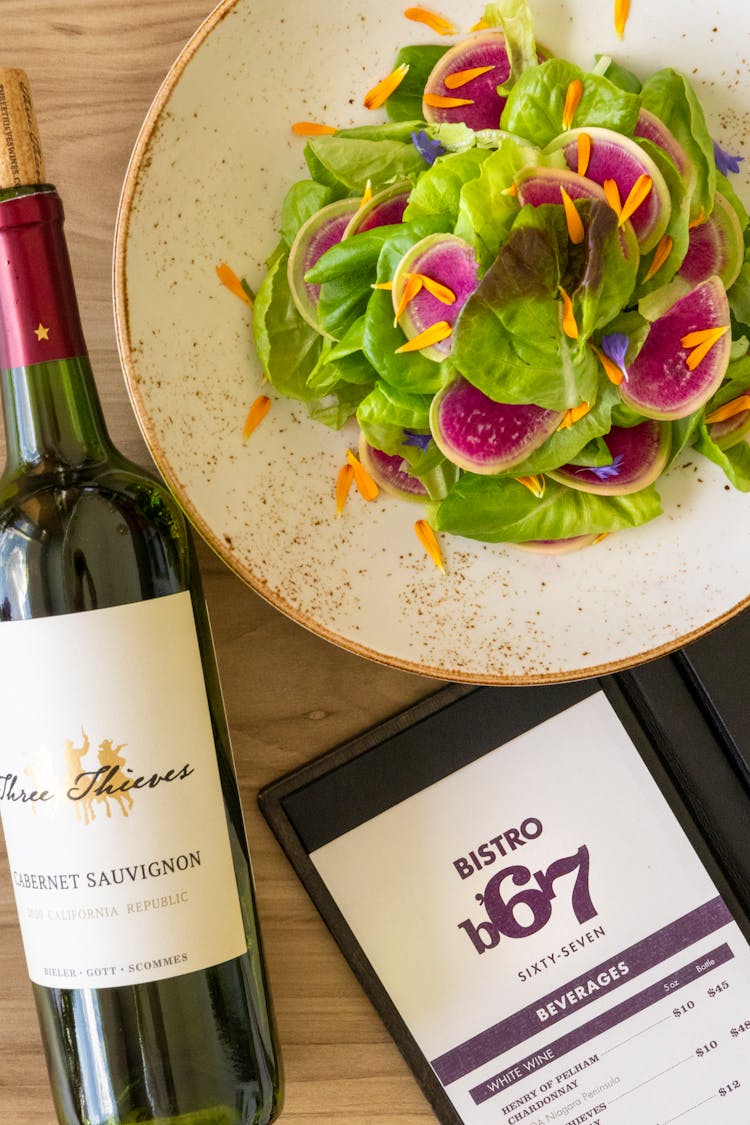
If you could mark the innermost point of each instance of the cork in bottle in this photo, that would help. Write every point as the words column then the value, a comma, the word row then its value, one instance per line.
column 21, row 158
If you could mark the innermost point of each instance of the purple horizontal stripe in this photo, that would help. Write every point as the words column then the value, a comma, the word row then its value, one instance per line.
column 605, row 1022
column 641, row 957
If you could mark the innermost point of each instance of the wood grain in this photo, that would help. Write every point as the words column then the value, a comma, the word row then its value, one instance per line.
column 95, row 66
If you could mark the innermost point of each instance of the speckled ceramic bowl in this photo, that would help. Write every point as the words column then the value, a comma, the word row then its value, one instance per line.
column 205, row 185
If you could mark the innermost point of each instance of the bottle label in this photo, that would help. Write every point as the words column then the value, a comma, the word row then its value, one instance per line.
column 114, row 820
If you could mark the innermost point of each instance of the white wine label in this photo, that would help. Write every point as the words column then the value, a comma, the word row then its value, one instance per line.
column 550, row 937
column 114, row 820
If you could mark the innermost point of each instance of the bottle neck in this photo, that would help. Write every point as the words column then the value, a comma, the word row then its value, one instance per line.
column 50, row 404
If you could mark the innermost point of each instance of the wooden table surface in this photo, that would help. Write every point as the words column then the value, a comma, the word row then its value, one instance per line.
column 95, row 66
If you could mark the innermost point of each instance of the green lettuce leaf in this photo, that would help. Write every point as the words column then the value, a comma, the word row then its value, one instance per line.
column 410, row 372
column 499, row 509
column 509, row 338
column 486, row 213
column 387, row 412
column 288, row 348
column 618, row 75
column 348, row 163
column 384, row 131
column 534, row 107
column 303, row 200
column 346, row 273
column 564, row 447
column 405, row 103
column 734, row 461
column 337, row 407
column 669, row 95
column 677, row 227
column 517, row 23
column 386, row 415
column 437, row 194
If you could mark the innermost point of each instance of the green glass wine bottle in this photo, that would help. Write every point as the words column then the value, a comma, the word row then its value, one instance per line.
column 119, row 801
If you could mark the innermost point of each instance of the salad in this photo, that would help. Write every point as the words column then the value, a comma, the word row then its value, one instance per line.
column 529, row 285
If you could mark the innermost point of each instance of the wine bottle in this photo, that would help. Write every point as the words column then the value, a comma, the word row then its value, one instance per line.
column 119, row 801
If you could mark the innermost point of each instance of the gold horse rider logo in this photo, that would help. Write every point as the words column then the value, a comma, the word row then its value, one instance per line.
column 100, row 784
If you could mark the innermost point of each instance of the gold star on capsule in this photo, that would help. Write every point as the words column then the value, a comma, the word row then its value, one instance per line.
column 41, row 332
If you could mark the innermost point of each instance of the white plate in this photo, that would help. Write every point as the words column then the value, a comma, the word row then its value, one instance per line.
column 205, row 185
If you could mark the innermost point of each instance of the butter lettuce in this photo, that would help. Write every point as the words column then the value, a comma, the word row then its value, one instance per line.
column 437, row 194
column 500, row 510
column 486, row 211
column 510, row 337
column 669, row 95
column 534, row 108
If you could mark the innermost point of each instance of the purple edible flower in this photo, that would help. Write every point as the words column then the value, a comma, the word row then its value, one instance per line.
column 725, row 162
column 421, row 441
column 427, row 148
column 615, row 346
column 603, row 472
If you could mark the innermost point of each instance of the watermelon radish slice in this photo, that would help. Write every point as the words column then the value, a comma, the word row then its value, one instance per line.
column 558, row 546
column 483, row 436
column 731, row 431
column 486, row 49
column 450, row 262
column 660, row 383
column 542, row 185
column 639, row 455
column 384, row 209
column 650, row 128
column 391, row 472
column 322, row 230
column 715, row 247
column 614, row 157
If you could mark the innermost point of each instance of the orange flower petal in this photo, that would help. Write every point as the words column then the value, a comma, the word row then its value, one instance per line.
column 228, row 278
column 388, row 285
column 662, row 252
column 512, row 190
column 312, row 129
column 366, row 195
column 255, row 415
column 622, row 11
column 701, row 335
column 429, row 541
column 438, row 101
column 612, row 193
column 366, row 486
column 576, row 232
column 411, row 288
column 569, row 326
column 639, row 192
column 461, row 78
column 699, row 221
column 579, row 411
column 381, row 91
column 611, row 370
column 729, row 409
column 536, row 485
column 573, row 96
column 480, row 25
column 704, row 341
column 438, row 23
column 432, row 335
column 343, row 484
column 441, row 292
column 584, row 153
